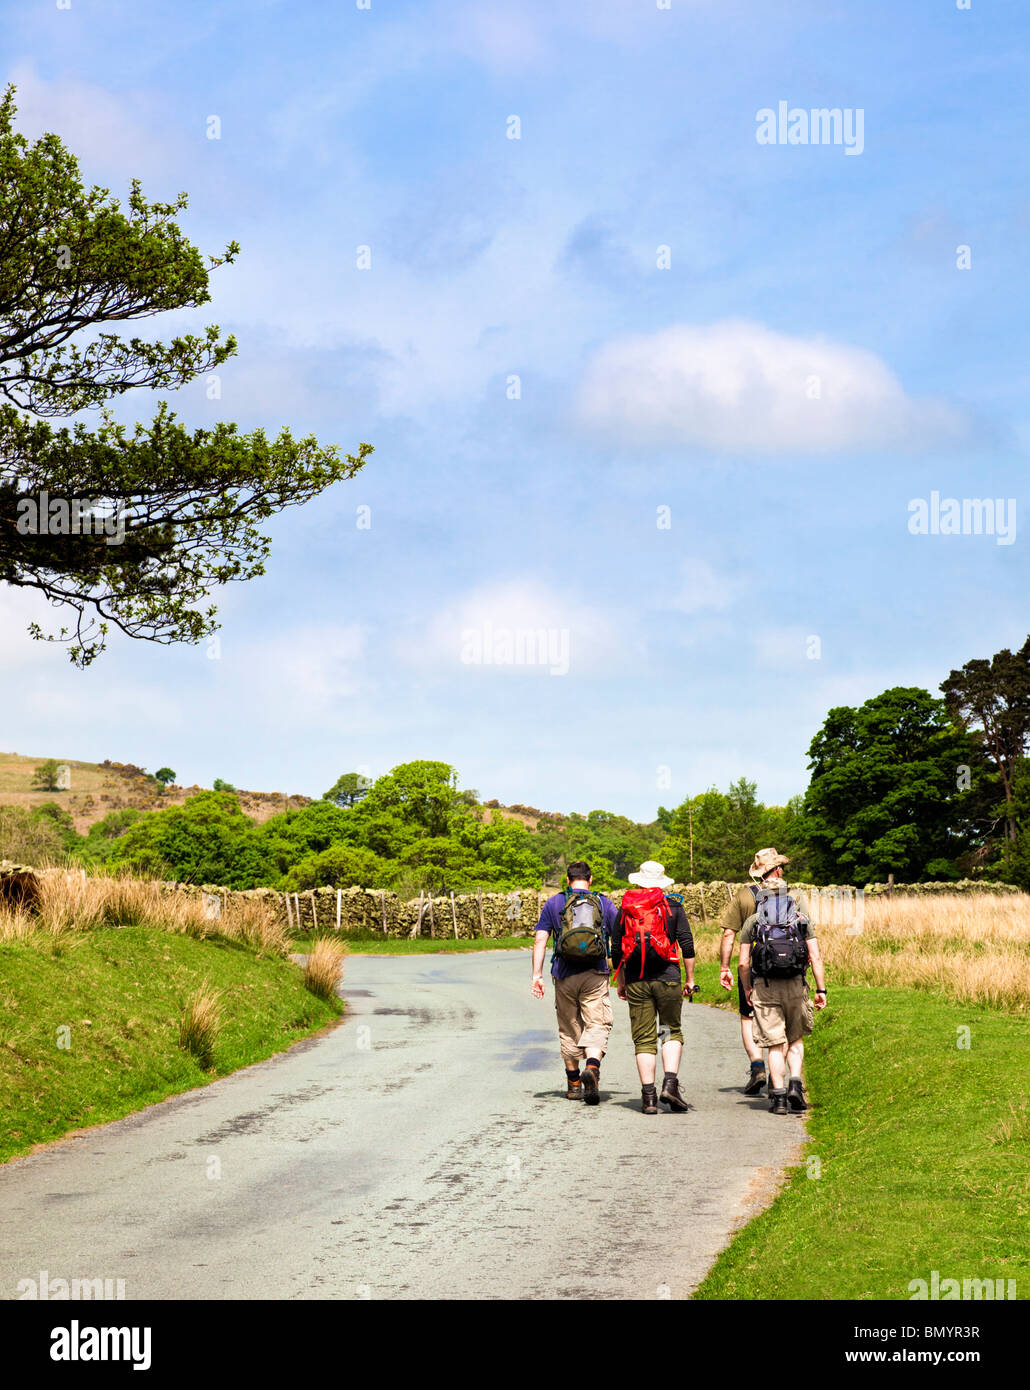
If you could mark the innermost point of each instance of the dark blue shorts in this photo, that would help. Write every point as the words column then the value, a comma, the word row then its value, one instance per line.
column 746, row 1011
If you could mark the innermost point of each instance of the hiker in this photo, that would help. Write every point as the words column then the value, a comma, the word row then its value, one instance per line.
column 580, row 922
column 777, row 945
column 648, row 928
column 737, row 912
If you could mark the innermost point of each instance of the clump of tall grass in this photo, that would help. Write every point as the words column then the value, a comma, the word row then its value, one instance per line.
column 250, row 921
column 324, row 968
column 198, row 1026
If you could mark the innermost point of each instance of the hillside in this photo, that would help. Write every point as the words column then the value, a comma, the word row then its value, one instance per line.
column 98, row 788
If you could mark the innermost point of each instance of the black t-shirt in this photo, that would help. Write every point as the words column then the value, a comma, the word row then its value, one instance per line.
column 679, row 930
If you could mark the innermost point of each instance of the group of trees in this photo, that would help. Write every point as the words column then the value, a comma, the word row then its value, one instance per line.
column 926, row 787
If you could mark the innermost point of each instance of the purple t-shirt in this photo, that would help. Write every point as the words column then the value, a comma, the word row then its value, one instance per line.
column 550, row 921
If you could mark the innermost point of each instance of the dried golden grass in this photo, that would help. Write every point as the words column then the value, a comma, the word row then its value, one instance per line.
column 198, row 1026
column 974, row 948
column 324, row 968
column 76, row 902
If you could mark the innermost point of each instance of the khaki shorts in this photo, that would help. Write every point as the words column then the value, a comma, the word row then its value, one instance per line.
column 584, row 1014
column 783, row 1011
column 652, row 1002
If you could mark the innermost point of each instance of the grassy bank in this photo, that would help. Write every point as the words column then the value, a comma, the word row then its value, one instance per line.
column 406, row 946
column 120, row 993
column 923, row 1152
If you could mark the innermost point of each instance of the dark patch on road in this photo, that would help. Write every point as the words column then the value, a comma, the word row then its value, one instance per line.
column 251, row 1121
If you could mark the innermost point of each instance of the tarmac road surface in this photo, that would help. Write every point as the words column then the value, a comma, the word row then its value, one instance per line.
column 422, row 1149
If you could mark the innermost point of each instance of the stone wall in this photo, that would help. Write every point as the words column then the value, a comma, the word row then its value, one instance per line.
column 469, row 915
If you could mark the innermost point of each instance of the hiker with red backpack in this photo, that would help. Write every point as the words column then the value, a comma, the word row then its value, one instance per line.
column 777, row 945
column 580, row 922
column 648, row 929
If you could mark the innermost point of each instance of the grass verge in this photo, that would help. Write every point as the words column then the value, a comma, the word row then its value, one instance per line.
column 923, row 1150
column 90, row 1021
column 405, row 946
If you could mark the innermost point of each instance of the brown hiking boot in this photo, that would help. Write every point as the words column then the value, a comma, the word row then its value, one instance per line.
column 671, row 1094
column 575, row 1089
column 755, row 1081
column 649, row 1100
column 589, row 1078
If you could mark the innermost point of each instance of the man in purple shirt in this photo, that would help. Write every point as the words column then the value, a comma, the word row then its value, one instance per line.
column 580, row 986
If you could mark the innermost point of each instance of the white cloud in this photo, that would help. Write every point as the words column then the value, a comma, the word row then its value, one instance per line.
column 114, row 138
column 739, row 387
column 518, row 626
column 303, row 674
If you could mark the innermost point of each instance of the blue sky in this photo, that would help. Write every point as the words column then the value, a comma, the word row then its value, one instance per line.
column 643, row 392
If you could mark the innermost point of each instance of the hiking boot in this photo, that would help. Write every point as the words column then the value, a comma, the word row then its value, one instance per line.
column 649, row 1100
column 778, row 1102
column 591, row 1094
column 575, row 1089
column 796, row 1095
column 671, row 1095
column 756, row 1080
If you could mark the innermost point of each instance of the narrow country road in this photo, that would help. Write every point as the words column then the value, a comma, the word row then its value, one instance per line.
column 422, row 1149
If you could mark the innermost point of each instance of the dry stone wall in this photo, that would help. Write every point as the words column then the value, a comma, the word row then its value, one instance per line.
column 468, row 915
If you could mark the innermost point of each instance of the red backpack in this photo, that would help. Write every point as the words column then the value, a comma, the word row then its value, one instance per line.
column 645, row 930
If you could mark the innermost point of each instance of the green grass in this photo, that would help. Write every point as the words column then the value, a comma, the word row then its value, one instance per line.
column 421, row 945
column 924, row 1157
column 121, row 994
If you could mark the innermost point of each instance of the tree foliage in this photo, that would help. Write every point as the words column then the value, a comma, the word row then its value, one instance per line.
column 883, row 796
column 190, row 503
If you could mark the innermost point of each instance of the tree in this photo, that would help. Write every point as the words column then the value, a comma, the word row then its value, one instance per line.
column 130, row 528
column 340, row 866
column 31, row 839
column 993, row 698
column 883, row 795
column 348, row 789
column 47, row 775
column 164, row 775
column 206, row 840
column 219, row 786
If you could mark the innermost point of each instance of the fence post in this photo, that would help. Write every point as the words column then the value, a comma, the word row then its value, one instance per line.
column 418, row 921
column 432, row 923
column 482, row 927
column 382, row 898
column 314, row 910
column 339, row 892
column 454, row 915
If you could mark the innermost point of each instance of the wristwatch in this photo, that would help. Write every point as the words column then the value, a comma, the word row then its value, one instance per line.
column 820, row 991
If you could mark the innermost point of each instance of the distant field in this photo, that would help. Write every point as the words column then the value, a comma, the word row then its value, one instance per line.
column 96, row 790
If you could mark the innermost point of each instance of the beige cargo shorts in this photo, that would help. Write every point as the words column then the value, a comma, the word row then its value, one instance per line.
column 783, row 1011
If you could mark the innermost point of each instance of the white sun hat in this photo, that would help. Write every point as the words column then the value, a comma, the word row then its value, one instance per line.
column 651, row 875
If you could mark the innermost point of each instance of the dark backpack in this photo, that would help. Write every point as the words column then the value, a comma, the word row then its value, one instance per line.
column 645, row 932
column 779, row 950
column 581, row 928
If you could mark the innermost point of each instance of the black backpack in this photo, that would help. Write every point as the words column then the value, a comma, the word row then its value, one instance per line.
column 779, row 950
column 581, row 937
